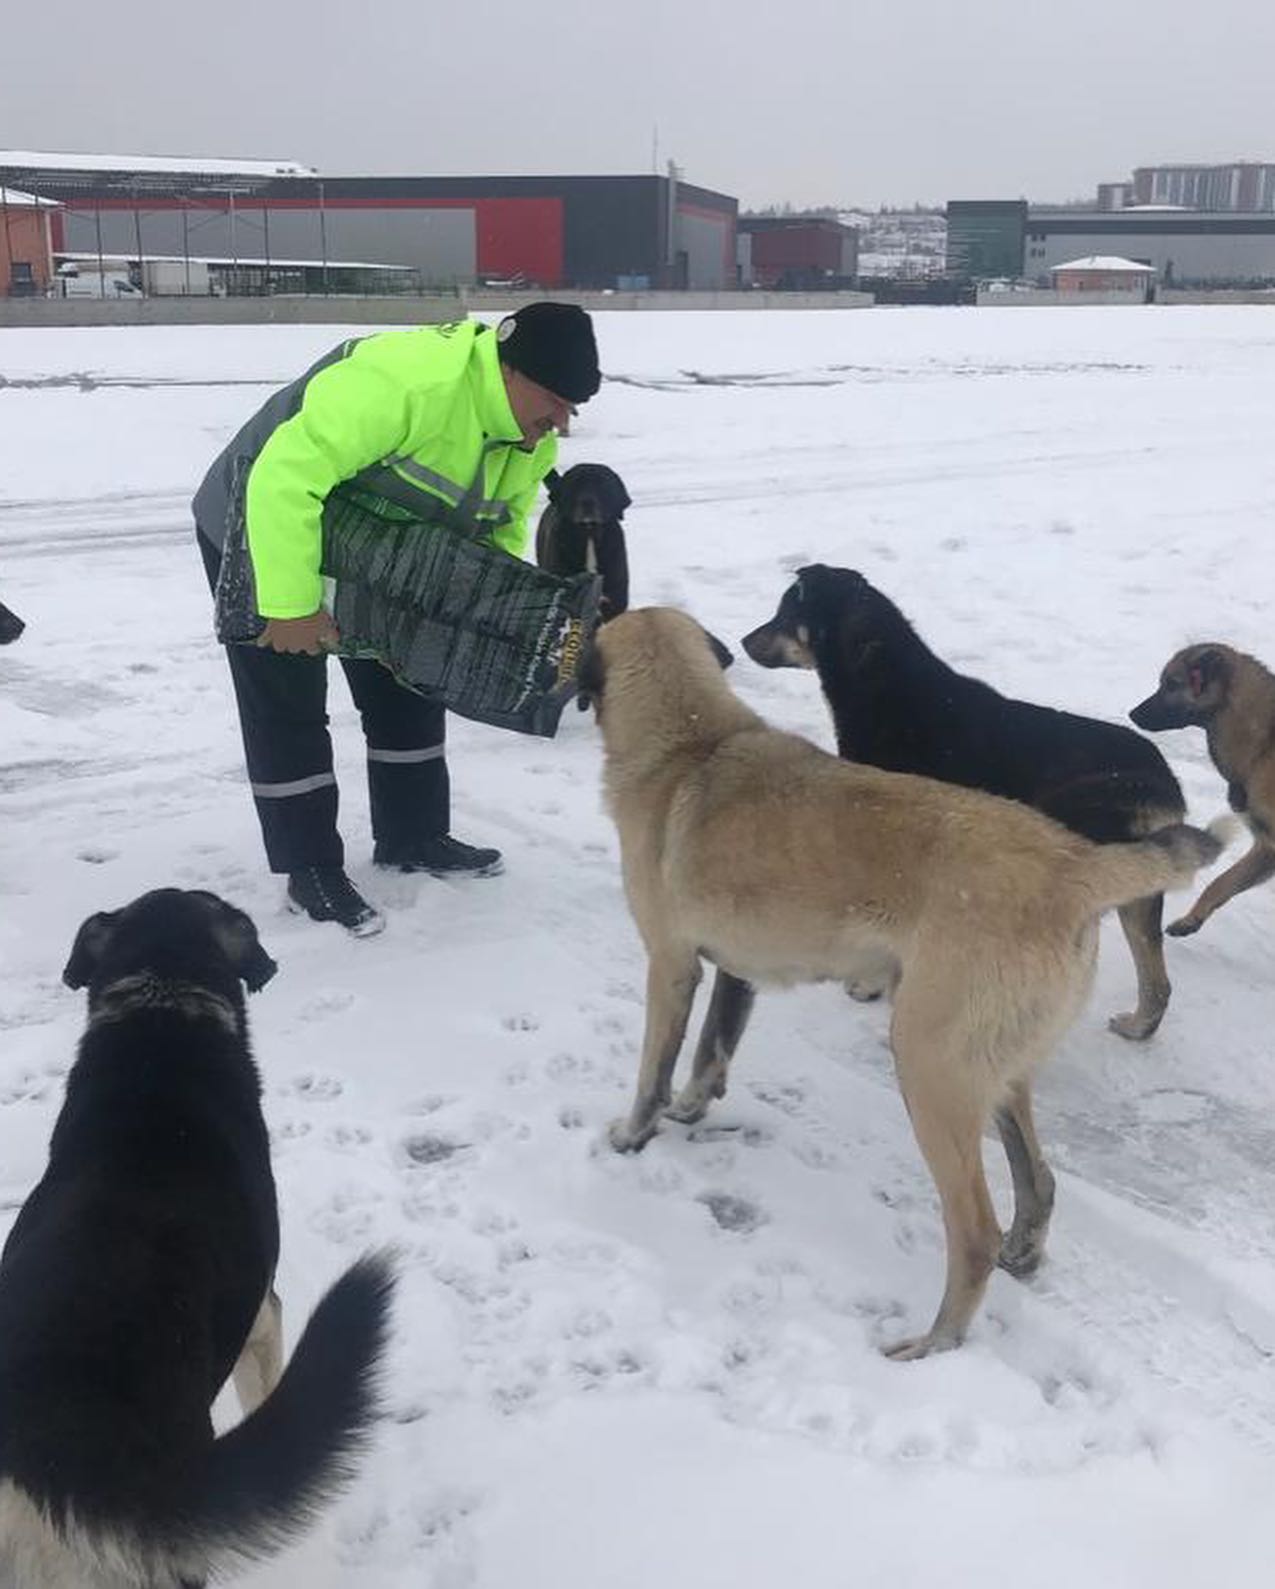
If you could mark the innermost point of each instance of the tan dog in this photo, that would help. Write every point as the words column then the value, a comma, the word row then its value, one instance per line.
column 780, row 863
column 1232, row 697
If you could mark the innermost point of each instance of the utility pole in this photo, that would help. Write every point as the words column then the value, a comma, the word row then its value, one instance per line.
column 323, row 238
column 137, row 229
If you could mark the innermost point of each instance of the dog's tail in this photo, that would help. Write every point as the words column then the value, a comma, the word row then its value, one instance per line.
column 1117, row 874
column 267, row 1478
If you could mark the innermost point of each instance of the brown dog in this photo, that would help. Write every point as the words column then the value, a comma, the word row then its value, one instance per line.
column 780, row 863
column 1231, row 696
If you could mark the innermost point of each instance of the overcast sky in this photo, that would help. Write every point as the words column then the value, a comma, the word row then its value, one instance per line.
column 824, row 101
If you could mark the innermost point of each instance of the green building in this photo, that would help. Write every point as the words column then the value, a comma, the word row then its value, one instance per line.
column 986, row 238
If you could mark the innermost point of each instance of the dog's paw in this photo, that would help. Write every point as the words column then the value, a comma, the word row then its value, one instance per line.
column 1133, row 1026
column 690, row 1105
column 625, row 1139
column 1021, row 1256
column 910, row 1350
column 874, row 975
column 915, row 1347
column 1184, row 926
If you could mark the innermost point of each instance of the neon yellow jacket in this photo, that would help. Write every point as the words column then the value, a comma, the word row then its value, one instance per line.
column 420, row 416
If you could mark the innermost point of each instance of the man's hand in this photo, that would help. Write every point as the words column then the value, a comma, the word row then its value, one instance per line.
column 314, row 635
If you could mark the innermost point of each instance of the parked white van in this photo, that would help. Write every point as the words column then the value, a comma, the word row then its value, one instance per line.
column 74, row 281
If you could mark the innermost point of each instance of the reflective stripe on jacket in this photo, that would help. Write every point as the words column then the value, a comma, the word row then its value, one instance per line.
column 420, row 416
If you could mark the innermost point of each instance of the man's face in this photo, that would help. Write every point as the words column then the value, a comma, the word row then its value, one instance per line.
column 537, row 410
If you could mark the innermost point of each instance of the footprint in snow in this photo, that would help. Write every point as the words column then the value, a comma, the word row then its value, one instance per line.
column 789, row 1099
column 738, row 1215
column 425, row 1148
column 326, row 1004
column 520, row 1023
column 750, row 1136
column 349, row 1215
column 314, row 1088
column 348, row 1137
column 25, row 1089
column 430, row 1104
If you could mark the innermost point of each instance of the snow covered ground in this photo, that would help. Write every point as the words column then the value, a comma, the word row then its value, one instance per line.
column 664, row 1370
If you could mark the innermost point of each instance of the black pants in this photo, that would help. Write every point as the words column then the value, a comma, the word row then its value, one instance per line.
column 282, row 700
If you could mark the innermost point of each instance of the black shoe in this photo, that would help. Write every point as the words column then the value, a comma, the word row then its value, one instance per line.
column 325, row 893
column 443, row 857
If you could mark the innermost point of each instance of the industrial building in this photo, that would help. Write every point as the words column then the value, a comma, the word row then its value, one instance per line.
column 1243, row 187
column 797, row 252
column 26, row 243
column 986, row 238
column 282, row 223
column 1186, row 248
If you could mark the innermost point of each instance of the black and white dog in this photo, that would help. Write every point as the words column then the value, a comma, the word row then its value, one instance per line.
column 581, row 530
column 140, row 1273
column 896, row 705
column 11, row 626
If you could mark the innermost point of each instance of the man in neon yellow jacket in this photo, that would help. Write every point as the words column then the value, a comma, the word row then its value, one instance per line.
column 458, row 423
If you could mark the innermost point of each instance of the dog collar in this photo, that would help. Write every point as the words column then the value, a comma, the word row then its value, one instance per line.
column 146, row 991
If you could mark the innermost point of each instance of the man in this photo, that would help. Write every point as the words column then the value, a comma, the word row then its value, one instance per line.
column 460, row 423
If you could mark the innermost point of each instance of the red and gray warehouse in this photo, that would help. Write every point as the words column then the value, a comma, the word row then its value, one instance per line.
column 570, row 231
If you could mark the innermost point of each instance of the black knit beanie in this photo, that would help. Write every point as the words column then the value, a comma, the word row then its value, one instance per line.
column 552, row 344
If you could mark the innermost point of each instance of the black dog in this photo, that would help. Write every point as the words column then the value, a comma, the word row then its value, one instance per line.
column 896, row 705
column 581, row 531
column 139, row 1274
column 11, row 626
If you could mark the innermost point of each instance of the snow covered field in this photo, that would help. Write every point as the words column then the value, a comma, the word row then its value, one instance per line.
column 664, row 1370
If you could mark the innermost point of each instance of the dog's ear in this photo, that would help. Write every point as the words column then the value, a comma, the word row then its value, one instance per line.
column 616, row 491
column 552, row 481
column 88, row 949
column 725, row 656
column 809, row 591
column 258, row 968
column 1207, row 667
column 236, row 935
column 590, row 676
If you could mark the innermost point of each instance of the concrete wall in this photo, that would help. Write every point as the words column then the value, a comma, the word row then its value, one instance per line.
column 1035, row 297
column 1221, row 295
column 228, row 311
column 385, row 311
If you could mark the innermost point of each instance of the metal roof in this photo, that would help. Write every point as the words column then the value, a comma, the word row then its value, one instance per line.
column 139, row 174
column 1110, row 263
column 13, row 198
column 230, row 260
